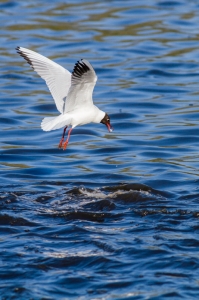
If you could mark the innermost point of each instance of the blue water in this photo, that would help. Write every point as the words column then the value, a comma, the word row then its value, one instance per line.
column 116, row 215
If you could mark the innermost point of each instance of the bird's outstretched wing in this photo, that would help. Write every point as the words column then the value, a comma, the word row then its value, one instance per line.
column 57, row 78
column 82, row 85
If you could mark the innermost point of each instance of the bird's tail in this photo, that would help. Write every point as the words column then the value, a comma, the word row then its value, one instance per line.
column 52, row 123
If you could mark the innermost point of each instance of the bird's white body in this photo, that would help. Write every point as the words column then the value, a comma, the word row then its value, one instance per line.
column 92, row 114
column 72, row 93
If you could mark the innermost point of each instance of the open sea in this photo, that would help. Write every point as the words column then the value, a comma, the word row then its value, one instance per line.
column 116, row 215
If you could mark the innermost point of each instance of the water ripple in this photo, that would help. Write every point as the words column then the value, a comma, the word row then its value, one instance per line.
column 115, row 216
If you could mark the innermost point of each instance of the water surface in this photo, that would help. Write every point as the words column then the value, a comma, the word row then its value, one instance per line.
column 115, row 216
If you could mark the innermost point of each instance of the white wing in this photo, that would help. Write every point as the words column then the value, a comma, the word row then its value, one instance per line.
column 57, row 78
column 82, row 85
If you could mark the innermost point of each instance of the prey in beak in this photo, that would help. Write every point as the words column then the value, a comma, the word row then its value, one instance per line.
column 106, row 121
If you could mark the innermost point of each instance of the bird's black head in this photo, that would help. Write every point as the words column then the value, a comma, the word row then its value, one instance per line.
column 106, row 121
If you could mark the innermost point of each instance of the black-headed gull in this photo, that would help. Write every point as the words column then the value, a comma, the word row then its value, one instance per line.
column 72, row 93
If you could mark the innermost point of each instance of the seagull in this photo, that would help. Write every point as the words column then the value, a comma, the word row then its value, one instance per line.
column 72, row 93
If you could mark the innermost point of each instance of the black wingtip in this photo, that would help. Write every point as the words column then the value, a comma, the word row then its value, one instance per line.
column 22, row 54
column 80, row 68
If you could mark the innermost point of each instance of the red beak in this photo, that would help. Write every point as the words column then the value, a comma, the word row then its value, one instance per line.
column 110, row 128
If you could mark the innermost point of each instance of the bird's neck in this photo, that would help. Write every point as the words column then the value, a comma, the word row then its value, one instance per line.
column 99, row 115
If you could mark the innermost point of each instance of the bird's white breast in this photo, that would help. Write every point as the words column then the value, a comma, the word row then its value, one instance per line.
column 88, row 114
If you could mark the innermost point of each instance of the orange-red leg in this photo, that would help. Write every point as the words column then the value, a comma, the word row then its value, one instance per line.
column 66, row 142
column 62, row 139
